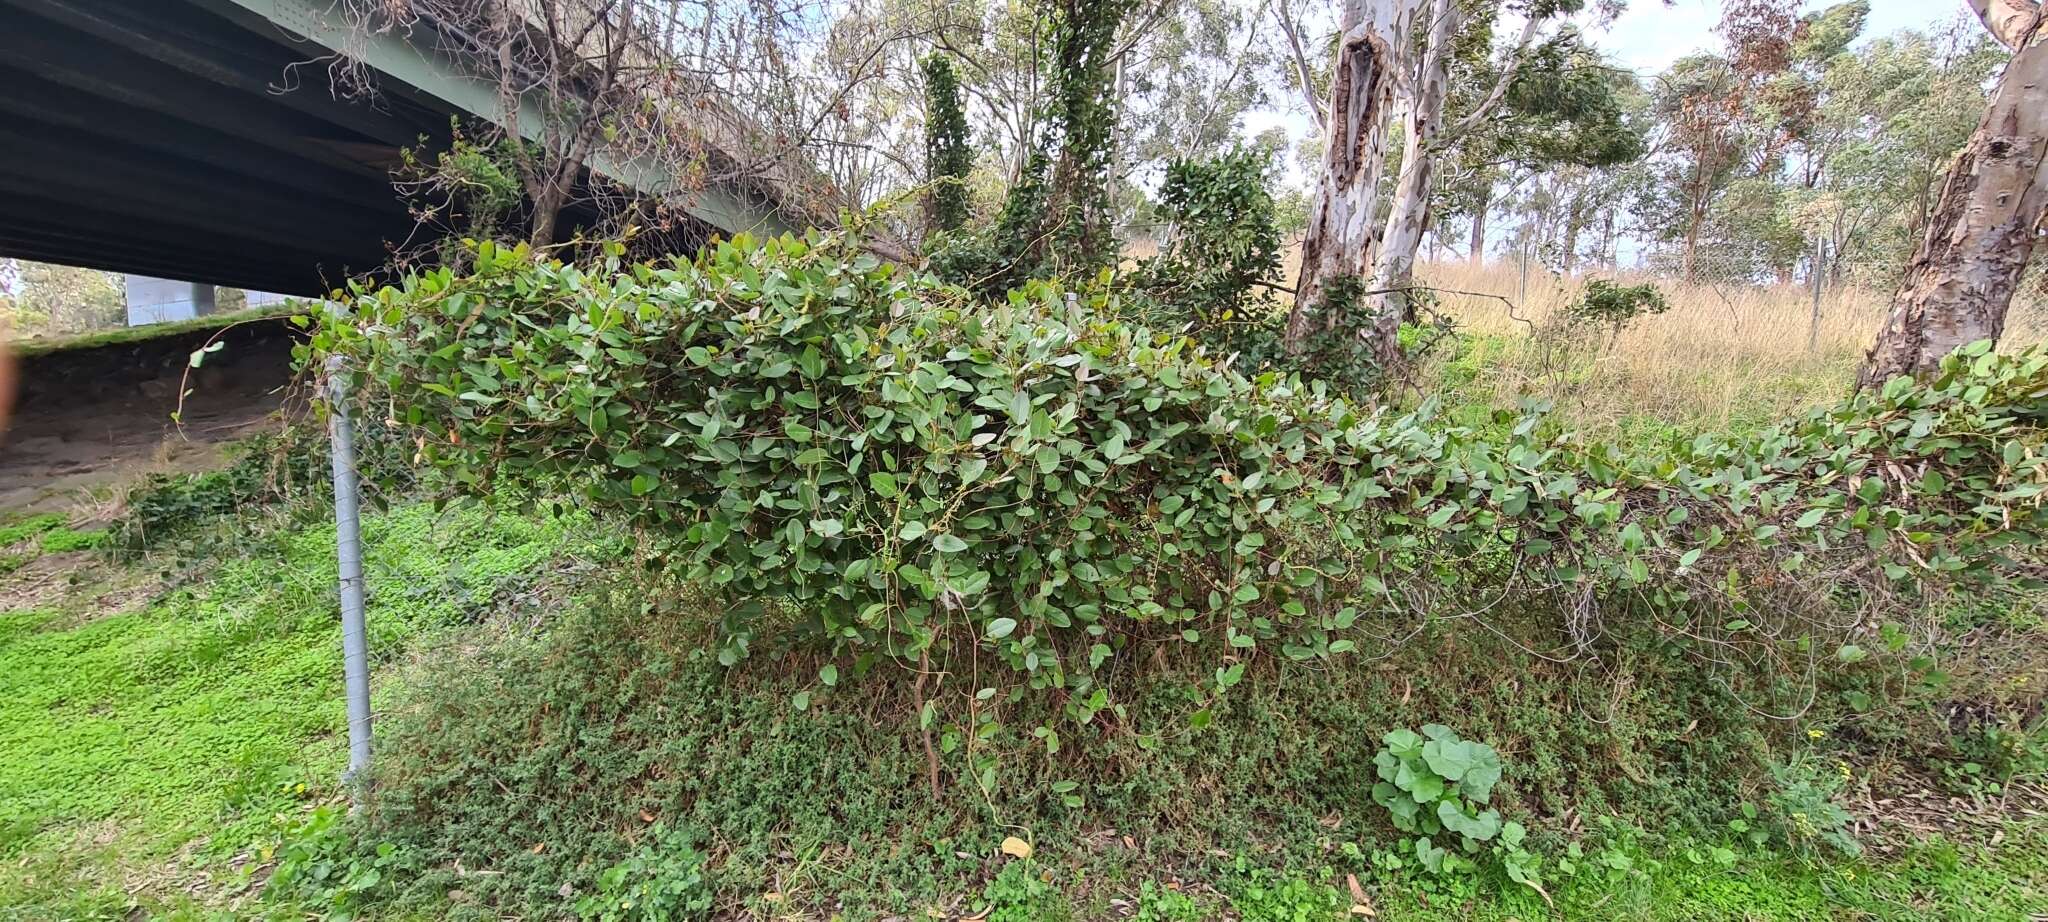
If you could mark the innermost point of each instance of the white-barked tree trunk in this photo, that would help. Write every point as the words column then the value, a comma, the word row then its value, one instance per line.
column 1982, row 232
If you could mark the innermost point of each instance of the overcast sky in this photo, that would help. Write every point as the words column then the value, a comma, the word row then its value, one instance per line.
column 1651, row 35
column 1646, row 39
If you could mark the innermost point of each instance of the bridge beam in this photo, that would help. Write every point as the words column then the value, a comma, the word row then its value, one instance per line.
column 202, row 139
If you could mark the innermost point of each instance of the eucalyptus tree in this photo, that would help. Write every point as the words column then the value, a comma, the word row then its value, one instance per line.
column 1993, row 208
column 1893, row 114
column 1698, row 148
column 1374, row 44
column 45, row 298
column 1780, row 64
column 1397, row 52
column 1568, row 123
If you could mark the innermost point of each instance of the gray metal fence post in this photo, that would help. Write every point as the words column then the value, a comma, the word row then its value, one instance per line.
column 1820, row 251
column 1522, row 291
column 348, row 553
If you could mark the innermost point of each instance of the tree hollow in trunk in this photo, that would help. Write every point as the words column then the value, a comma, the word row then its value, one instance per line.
column 1342, row 230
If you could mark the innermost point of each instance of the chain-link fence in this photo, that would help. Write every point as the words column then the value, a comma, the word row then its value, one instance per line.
column 1719, row 300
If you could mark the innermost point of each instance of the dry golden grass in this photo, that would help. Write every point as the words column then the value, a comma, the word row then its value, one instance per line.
column 1725, row 356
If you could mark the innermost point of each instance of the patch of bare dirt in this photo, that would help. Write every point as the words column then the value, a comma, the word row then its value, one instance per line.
column 44, row 581
column 81, row 585
column 1902, row 817
column 91, row 419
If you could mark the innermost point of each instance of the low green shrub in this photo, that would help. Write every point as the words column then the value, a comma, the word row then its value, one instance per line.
column 1260, row 895
column 63, row 540
column 1613, row 306
column 1021, row 893
column 1160, row 904
column 1805, row 809
column 1433, row 783
column 1992, row 757
column 271, row 468
column 50, row 534
column 319, row 864
column 288, row 469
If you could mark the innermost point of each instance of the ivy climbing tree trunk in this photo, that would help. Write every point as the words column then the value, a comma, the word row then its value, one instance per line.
column 1084, row 82
column 1982, row 231
column 948, row 158
column 1338, row 242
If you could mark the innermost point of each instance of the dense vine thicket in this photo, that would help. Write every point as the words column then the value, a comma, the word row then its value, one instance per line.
column 924, row 475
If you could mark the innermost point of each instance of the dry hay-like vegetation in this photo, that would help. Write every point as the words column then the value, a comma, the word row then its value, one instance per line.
column 1725, row 356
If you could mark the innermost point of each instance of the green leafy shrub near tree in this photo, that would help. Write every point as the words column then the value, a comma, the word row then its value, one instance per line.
column 1214, row 275
column 1217, row 277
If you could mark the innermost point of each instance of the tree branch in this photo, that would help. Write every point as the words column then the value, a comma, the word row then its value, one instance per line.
column 1138, row 34
column 1301, row 70
column 1500, row 87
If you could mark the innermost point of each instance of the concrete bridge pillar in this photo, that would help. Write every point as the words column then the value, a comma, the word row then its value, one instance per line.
column 155, row 300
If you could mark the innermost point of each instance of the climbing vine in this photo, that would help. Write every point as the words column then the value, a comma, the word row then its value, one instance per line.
column 1040, row 486
column 947, row 155
column 1056, row 219
column 1083, row 115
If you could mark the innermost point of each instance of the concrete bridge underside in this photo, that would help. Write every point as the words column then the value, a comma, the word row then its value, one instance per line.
column 203, row 140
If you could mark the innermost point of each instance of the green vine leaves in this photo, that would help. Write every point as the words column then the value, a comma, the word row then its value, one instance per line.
column 923, row 475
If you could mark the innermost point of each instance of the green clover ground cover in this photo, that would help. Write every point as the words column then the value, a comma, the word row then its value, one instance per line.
column 142, row 749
